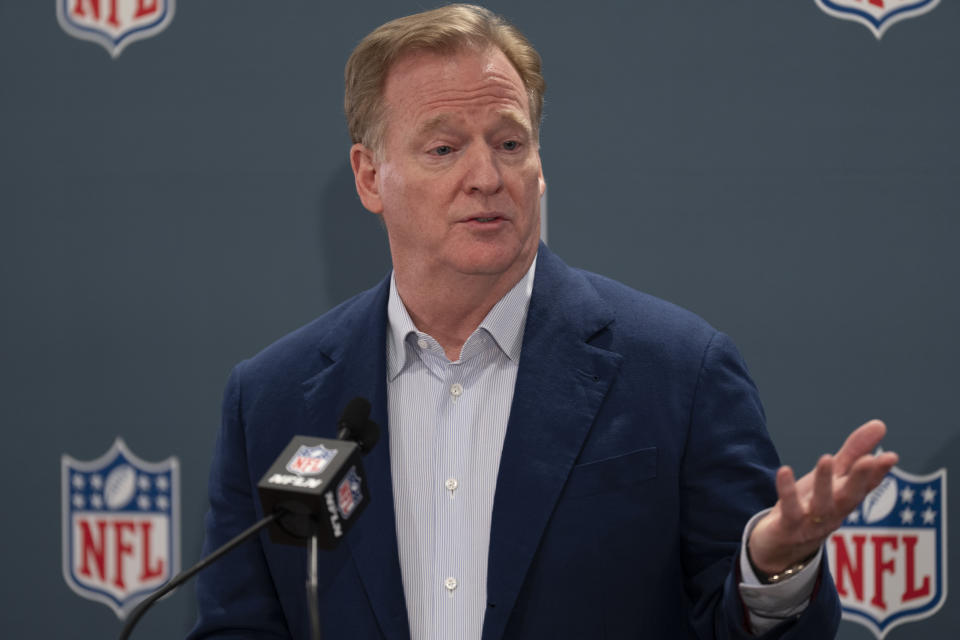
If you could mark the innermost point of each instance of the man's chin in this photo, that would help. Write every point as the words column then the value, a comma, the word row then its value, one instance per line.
column 488, row 261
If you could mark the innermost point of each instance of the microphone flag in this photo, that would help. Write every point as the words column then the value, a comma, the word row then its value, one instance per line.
column 319, row 484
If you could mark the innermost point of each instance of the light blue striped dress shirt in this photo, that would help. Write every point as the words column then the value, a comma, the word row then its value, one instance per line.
column 447, row 425
column 448, row 421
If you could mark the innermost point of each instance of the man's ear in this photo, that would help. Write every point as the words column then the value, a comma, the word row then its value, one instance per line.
column 365, row 176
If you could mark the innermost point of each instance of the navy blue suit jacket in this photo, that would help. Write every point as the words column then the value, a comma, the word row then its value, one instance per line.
column 635, row 453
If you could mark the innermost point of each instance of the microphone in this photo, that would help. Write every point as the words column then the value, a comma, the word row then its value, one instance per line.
column 297, row 494
column 318, row 485
column 316, row 490
column 354, row 424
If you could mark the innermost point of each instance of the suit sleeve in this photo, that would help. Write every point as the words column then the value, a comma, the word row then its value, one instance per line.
column 726, row 477
column 235, row 596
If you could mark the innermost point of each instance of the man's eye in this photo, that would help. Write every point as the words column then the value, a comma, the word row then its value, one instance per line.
column 511, row 145
column 443, row 150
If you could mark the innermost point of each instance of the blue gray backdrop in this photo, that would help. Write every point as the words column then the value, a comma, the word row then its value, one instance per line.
column 165, row 214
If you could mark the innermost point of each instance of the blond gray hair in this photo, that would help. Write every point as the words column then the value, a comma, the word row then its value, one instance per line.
column 445, row 30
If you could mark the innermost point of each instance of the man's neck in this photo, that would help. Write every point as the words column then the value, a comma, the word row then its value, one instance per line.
column 451, row 308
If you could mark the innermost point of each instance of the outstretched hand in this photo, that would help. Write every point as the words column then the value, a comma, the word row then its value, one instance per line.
column 810, row 509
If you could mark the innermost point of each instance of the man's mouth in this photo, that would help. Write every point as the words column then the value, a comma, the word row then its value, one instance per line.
column 492, row 216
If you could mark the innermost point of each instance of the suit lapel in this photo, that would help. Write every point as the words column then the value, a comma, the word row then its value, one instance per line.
column 357, row 349
column 560, row 385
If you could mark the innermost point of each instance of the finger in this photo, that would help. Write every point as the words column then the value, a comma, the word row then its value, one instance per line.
column 863, row 478
column 787, row 492
column 854, row 487
column 861, row 442
column 821, row 503
column 880, row 467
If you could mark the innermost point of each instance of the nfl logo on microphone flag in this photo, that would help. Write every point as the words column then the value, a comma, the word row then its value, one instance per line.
column 121, row 526
column 311, row 461
column 349, row 493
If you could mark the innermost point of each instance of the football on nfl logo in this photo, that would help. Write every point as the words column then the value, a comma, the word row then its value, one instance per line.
column 876, row 15
column 121, row 526
column 310, row 461
column 114, row 24
column 889, row 559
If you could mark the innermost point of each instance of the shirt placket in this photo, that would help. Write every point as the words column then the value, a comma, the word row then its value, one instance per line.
column 448, row 509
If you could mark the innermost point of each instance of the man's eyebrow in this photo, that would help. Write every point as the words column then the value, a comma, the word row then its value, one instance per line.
column 515, row 118
column 436, row 122
column 443, row 120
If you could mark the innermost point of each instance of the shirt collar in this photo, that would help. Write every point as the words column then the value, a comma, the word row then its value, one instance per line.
column 505, row 322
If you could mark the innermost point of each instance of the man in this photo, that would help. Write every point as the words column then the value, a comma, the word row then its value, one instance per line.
column 565, row 457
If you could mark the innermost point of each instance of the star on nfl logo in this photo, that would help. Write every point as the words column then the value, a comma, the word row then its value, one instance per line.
column 889, row 560
column 114, row 24
column 876, row 15
column 310, row 461
column 349, row 493
column 121, row 526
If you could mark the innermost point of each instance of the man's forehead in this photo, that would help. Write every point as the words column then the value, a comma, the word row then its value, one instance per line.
column 424, row 79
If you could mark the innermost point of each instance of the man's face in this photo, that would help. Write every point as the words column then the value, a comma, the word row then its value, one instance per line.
column 459, row 179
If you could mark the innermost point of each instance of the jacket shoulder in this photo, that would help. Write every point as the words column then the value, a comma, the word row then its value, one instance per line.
column 657, row 324
column 319, row 341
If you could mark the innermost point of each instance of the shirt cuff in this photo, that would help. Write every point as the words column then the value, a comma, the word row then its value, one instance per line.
column 770, row 604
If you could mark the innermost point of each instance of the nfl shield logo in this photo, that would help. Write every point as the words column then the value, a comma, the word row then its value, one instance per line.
column 114, row 24
column 310, row 461
column 876, row 15
column 349, row 493
column 889, row 560
column 121, row 526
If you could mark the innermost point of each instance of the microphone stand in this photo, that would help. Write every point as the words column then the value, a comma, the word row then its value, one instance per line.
column 183, row 576
column 313, row 597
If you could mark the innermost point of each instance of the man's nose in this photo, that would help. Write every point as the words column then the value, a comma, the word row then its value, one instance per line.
column 483, row 174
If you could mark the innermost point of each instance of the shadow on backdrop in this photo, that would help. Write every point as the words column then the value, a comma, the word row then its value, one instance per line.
column 353, row 242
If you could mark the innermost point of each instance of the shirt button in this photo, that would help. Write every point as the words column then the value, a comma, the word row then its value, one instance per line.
column 422, row 343
column 456, row 390
column 451, row 484
column 450, row 584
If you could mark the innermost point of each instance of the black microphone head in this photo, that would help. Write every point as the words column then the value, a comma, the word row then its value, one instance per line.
column 356, row 411
column 368, row 436
column 355, row 425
